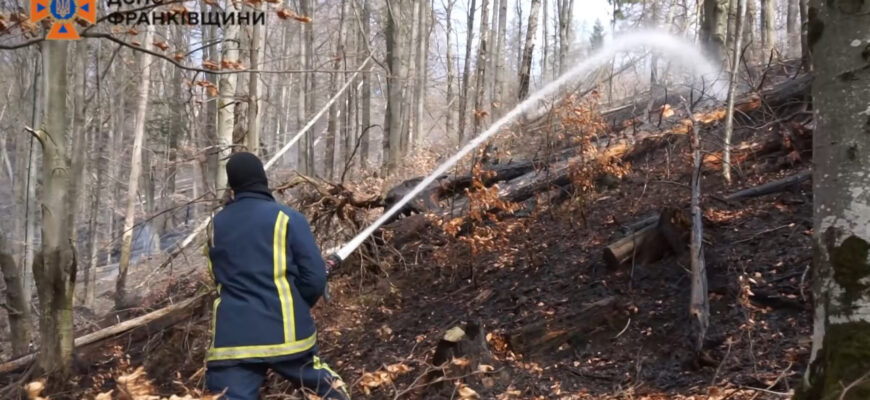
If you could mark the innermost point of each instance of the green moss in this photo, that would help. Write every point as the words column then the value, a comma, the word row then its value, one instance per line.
column 843, row 359
column 849, row 262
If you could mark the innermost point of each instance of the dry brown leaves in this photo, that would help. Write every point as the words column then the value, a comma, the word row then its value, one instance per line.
column 382, row 377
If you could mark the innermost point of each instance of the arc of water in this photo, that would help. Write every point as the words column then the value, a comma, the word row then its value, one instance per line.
column 671, row 46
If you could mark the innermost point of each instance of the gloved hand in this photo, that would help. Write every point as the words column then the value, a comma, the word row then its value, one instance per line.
column 332, row 261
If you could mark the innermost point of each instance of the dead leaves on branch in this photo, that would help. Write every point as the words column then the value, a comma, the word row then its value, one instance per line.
column 286, row 14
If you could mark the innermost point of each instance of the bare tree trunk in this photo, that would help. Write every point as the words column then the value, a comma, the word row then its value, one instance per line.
column 732, row 88
column 792, row 28
column 226, row 100
column 302, row 101
column 768, row 28
column 499, row 54
column 366, row 100
column 54, row 269
column 481, row 68
column 840, row 358
column 307, row 154
column 17, row 306
column 121, row 298
column 397, row 34
column 699, row 306
column 254, row 101
column 715, row 28
column 32, row 216
column 451, row 73
column 332, row 120
column 805, row 47
column 211, row 108
column 420, row 66
column 750, row 36
column 466, row 72
column 546, row 49
column 566, row 14
column 100, row 162
column 528, row 50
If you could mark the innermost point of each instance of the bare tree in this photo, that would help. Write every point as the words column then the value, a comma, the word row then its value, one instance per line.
column 17, row 307
column 54, row 268
column 121, row 297
column 792, row 28
column 254, row 116
column 566, row 14
column 466, row 71
column 714, row 28
column 528, row 50
column 226, row 100
column 365, row 89
column 732, row 88
column 481, row 68
column 839, row 367
column 499, row 54
column 451, row 73
column 750, row 33
column 398, row 14
column 768, row 28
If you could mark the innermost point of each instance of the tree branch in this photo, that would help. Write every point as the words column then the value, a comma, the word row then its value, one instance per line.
column 39, row 135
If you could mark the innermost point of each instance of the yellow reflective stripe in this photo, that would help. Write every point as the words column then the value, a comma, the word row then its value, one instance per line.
column 262, row 351
column 280, row 271
column 214, row 310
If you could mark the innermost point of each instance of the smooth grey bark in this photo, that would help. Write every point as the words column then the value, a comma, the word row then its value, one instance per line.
column 252, row 137
column 482, row 52
column 715, row 28
column 732, row 88
column 397, row 33
column 768, row 28
column 840, row 357
column 499, row 54
column 121, row 296
column 750, row 34
column 528, row 50
column 566, row 15
column 54, row 268
column 365, row 89
column 792, row 28
column 17, row 306
column 451, row 72
column 466, row 73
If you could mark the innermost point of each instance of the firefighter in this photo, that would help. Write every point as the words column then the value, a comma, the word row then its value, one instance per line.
column 269, row 274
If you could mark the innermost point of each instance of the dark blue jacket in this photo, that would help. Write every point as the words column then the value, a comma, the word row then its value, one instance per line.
column 269, row 273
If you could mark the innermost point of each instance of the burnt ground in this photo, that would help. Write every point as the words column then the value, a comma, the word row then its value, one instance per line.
column 546, row 265
column 757, row 257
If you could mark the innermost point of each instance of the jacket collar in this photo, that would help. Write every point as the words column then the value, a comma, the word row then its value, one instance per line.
column 252, row 195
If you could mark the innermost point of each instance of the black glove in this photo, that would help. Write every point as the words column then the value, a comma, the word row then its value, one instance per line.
column 332, row 261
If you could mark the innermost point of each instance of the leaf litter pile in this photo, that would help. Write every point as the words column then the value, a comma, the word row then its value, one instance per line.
column 515, row 301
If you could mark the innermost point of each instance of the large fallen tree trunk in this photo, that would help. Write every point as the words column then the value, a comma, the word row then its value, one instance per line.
column 146, row 324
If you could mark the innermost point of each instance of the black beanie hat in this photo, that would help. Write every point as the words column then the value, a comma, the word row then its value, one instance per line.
column 245, row 173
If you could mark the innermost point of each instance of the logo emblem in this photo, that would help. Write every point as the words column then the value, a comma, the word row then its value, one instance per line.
column 63, row 13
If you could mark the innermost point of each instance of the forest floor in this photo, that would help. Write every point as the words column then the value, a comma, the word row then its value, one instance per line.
column 382, row 325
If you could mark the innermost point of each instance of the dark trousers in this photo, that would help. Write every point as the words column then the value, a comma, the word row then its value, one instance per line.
column 242, row 381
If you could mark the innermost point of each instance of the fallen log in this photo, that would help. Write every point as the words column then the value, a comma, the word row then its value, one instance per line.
column 429, row 199
column 150, row 322
column 776, row 186
column 647, row 245
column 575, row 326
column 645, row 237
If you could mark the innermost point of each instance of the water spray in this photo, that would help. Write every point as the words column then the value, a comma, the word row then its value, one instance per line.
column 674, row 47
